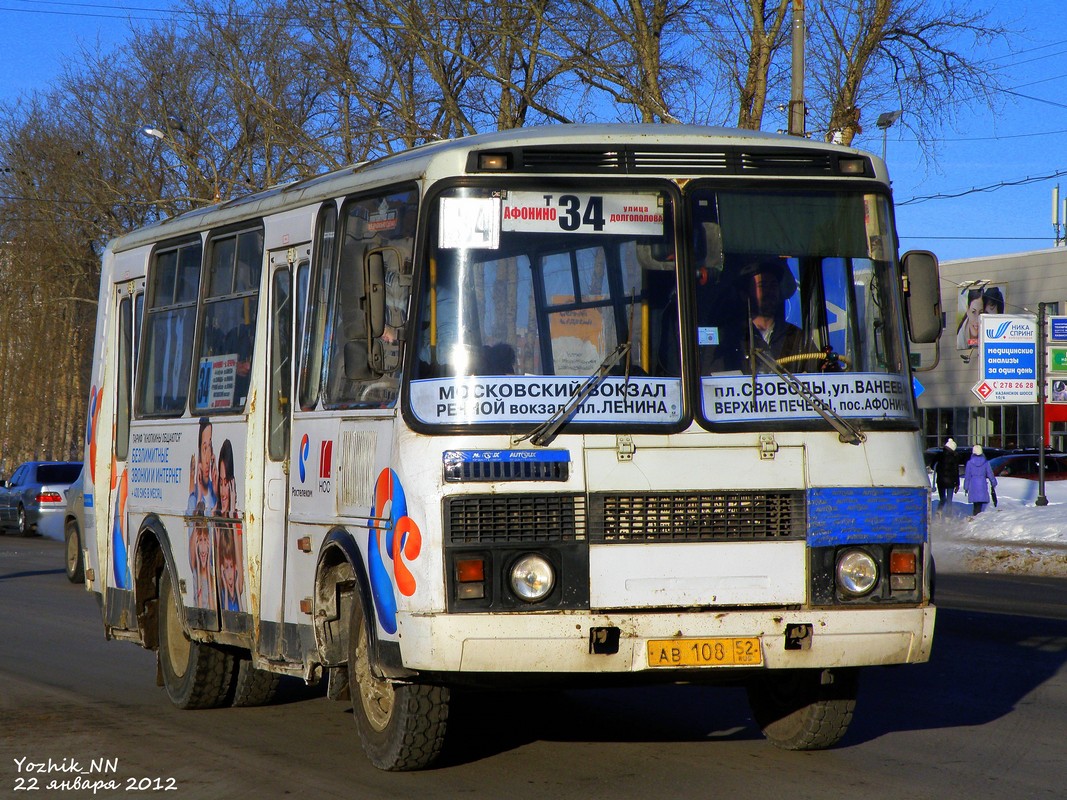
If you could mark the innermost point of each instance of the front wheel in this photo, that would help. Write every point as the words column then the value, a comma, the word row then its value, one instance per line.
column 195, row 674
column 73, row 539
column 804, row 709
column 401, row 726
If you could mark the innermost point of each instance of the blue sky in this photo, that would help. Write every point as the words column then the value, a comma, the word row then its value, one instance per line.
column 1024, row 140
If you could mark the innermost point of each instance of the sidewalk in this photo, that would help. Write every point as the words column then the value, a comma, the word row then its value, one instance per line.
column 1014, row 537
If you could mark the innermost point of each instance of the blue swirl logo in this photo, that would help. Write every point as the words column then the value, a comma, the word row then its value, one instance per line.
column 996, row 334
column 305, row 449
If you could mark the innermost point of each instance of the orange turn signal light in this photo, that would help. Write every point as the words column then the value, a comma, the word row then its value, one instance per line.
column 470, row 569
column 903, row 562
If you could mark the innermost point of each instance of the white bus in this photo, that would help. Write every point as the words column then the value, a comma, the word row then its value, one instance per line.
column 617, row 401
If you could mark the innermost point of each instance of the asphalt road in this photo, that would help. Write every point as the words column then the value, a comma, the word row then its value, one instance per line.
column 985, row 718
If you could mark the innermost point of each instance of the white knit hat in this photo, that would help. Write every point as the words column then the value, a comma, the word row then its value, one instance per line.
column 977, row 449
column 951, row 443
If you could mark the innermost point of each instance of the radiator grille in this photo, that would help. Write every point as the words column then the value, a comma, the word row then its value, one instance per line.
column 683, row 517
column 631, row 517
column 499, row 519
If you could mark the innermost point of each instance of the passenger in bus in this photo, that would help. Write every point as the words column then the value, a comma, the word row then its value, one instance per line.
column 761, row 289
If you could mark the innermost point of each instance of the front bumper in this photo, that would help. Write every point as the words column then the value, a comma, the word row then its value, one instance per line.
column 560, row 642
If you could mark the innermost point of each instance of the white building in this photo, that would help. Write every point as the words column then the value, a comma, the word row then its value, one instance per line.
column 1009, row 284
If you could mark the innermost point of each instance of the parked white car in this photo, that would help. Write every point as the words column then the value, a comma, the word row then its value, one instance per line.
column 34, row 499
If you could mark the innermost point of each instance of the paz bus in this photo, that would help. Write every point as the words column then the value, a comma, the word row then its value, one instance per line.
column 512, row 410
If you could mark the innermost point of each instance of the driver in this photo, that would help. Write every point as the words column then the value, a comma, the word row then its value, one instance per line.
column 763, row 286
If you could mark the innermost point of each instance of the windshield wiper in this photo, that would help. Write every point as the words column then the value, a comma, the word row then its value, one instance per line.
column 846, row 431
column 546, row 431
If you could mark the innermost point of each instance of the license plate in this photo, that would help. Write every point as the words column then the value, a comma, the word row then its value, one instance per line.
column 726, row 652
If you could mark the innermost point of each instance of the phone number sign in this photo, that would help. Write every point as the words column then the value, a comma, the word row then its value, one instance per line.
column 1009, row 359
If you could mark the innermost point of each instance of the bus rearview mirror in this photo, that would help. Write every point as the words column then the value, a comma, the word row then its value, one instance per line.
column 922, row 295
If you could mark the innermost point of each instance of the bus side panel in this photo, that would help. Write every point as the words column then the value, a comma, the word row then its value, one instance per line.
column 98, row 439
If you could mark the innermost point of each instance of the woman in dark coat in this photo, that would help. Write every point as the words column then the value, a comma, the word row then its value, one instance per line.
column 946, row 474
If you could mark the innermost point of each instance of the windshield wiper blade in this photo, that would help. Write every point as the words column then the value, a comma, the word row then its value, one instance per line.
column 846, row 431
column 546, row 431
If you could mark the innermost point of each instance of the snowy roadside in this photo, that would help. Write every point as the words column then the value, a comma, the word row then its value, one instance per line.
column 1014, row 537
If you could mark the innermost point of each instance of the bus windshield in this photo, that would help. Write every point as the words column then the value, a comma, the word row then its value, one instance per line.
column 801, row 280
column 527, row 292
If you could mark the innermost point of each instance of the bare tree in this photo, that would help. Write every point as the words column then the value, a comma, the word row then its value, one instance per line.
column 633, row 51
column 746, row 50
column 883, row 55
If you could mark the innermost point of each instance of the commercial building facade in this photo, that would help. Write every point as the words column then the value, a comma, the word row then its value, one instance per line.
column 1006, row 284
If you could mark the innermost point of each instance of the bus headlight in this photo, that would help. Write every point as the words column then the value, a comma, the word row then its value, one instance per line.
column 857, row 572
column 532, row 577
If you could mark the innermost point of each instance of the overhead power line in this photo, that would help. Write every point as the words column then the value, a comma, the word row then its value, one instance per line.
column 980, row 189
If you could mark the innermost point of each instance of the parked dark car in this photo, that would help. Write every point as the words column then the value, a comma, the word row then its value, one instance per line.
column 1025, row 465
column 34, row 499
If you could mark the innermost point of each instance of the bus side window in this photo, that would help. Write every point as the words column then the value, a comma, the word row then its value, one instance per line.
column 368, row 310
column 164, row 363
column 280, row 365
column 125, row 369
column 315, row 287
column 228, row 327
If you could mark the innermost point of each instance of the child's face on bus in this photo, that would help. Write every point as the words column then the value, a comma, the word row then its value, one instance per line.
column 225, row 490
column 229, row 574
column 203, row 546
column 207, row 454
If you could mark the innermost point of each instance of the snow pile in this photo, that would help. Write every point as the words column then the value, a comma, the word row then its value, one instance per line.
column 1015, row 536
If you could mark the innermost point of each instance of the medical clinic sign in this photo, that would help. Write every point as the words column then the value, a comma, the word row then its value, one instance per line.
column 1009, row 359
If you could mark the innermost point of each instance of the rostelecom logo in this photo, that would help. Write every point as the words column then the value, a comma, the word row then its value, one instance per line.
column 305, row 450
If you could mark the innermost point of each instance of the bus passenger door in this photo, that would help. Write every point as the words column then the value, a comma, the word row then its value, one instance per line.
column 276, row 478
column 105, row 505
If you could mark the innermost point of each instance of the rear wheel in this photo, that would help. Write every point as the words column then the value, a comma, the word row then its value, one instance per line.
column 254, row 687
column 21, row 522
column 804, row 709
column 73, row 539
column 401, row 726
column 195, row 675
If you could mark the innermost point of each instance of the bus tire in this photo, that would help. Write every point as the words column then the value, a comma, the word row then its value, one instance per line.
column 804, row 709
column 252, row 686
column 195, row 674
column 73, row 541
column 401, row 725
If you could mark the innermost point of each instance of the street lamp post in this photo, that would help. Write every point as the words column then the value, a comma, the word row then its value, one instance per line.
column 157, row 133
column 884, row 123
